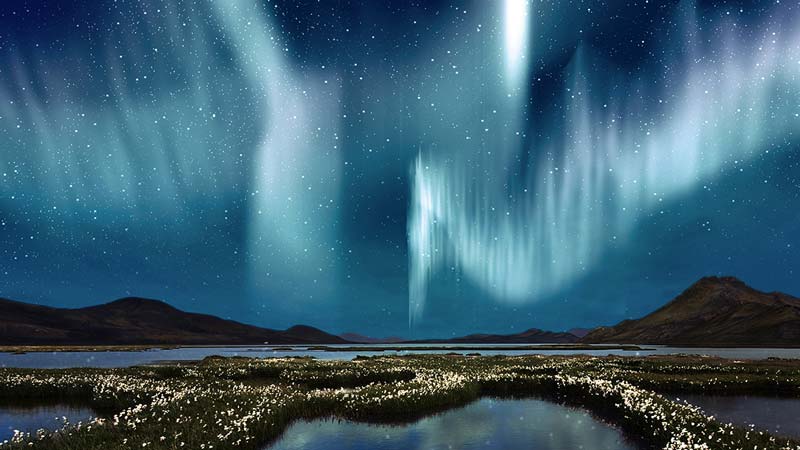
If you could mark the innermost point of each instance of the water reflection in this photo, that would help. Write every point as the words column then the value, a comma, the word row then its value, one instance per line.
column 485, row 424
column 56, row 360
column 29, row 418
column 780, row 416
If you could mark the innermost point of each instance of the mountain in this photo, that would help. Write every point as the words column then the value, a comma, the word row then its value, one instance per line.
column 580, row 332
column 133, row 321
column 714, row 311
column 361, row 339
column 532, row 336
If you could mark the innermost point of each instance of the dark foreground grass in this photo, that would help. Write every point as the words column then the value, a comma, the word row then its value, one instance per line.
column 244, row 403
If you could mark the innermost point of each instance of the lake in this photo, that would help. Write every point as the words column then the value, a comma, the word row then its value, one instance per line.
column 31, row 418
column 485, row 424
column 55, row 360
column 779, row 416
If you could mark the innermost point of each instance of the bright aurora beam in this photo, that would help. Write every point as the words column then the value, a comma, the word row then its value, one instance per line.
column 516, row 22
column 296, row 182
column 735, row 100
column 115, row 146
column 67, row 119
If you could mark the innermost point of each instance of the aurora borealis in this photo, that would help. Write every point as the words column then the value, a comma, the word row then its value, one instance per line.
column 410, row 168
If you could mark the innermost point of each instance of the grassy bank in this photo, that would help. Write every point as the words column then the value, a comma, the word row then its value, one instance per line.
column 244, row 403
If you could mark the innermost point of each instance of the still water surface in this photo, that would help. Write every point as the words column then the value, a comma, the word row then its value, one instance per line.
column 55, row 360
column 780, row 416
column 485, row 424
column 31, row 418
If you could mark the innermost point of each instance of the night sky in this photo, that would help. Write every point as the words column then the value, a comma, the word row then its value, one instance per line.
column 406, row 168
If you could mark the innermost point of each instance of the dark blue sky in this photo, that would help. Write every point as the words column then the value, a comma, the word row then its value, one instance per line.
column 397, row 168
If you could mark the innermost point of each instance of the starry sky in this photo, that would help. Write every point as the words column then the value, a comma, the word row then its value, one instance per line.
column 412, row 168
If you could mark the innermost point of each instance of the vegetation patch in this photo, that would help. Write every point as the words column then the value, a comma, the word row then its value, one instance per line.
column 216, row 403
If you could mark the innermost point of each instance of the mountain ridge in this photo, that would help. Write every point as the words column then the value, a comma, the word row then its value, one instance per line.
column 529, row 336
column 713, row 311
column 144, row 321
column 135, row 320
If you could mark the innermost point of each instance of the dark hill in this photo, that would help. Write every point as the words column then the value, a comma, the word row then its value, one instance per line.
column 714, row 311
column 132, row 321
column 532, row 336
column 361, row 339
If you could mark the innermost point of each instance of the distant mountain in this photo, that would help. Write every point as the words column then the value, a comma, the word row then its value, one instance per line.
column 532, row 336
column 714, row 311
column 580, row 332
column 132, row 321
column 361, row 339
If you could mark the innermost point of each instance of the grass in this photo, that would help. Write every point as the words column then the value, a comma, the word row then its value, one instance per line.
column 225, row 403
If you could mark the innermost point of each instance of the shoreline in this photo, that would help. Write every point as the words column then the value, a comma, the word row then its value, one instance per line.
column 356, row 347
column 21, row 349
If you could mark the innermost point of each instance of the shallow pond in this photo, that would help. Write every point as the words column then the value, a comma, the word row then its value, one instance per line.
column 56, row 360
column 780, row 416
column 485, row 424
column 31, row 418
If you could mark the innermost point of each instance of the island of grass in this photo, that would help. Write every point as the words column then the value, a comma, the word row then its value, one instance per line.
column 226, row 403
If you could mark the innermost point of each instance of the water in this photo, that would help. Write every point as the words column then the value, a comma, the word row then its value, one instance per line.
column 55, row 360
column 776, row 415
column 31, row 418
column 485, row 424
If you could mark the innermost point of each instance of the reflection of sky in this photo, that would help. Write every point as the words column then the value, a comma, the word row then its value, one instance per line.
column 774, row 415
column 485, row 424
column 30, row 419
column 42, row 360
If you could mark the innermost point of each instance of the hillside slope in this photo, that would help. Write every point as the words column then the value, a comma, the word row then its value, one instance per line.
column 714, row 311
column 133, row 321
